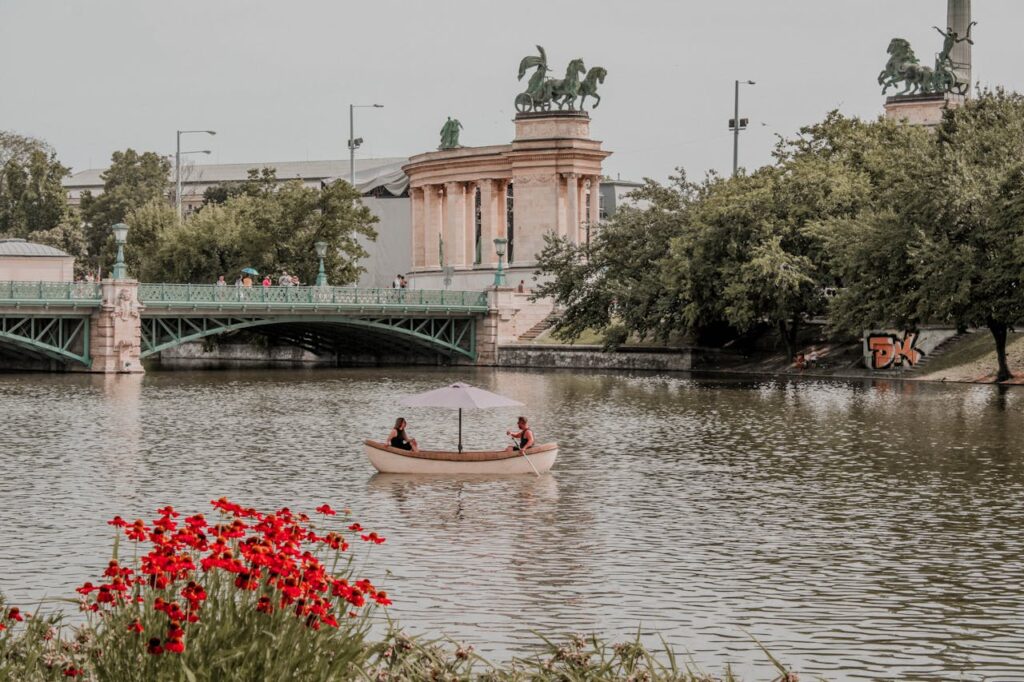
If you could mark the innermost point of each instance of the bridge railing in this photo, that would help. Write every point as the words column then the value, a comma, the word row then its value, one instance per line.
column 345, row 296
column 49, row 292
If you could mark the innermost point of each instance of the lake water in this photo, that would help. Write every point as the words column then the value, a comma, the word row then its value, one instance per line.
column 857, row 529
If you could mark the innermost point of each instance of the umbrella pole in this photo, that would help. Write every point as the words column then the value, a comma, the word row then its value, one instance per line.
column 460, row 429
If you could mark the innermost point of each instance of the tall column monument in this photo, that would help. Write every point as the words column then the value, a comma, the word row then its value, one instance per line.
column 958, row 18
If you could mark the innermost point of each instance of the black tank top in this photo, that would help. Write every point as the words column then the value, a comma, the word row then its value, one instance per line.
column 400, row 441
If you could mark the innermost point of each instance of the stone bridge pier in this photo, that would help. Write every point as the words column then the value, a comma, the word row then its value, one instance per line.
column 115, row 329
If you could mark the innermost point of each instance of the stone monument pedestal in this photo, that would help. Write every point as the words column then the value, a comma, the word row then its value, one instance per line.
column 921, row 110
column 115, row 334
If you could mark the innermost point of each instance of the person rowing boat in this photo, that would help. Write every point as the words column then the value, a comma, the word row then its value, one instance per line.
column 524, row 434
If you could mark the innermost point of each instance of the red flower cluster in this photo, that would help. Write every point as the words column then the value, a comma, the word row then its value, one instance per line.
column 272, row 554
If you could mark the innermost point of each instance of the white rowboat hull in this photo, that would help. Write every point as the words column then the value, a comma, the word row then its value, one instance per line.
column 389, row 460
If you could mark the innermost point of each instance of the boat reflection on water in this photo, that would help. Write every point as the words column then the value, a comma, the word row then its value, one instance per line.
column 444, row 494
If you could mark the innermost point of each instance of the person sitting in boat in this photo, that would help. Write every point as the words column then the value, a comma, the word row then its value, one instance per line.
column 398, row 439
column 524, row 434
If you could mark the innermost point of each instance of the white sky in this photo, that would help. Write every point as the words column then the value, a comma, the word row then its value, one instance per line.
column 274, row 78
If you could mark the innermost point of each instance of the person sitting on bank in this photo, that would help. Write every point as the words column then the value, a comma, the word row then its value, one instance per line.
column 524, row 435
column 398, row 439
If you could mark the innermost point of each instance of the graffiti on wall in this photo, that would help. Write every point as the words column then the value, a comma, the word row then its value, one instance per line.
column 889, row 351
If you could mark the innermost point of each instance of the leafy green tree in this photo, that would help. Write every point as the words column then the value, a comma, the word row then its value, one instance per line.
column 971, row 272
column 260, row 181
column 269, row 227
column 207, row 245
column 132, row 181
column 940, row 244
column 147, row 224
column 31, row 195
column 616, row 278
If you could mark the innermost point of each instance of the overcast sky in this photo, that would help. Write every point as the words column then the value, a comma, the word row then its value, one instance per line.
column 274, row 78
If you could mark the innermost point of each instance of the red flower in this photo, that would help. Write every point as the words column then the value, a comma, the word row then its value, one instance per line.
column 137, row 531
column 264, row 605
column 118, row 522
column 86, row 588
column 355, row 527
column 374, row 538
column 154, row 646
column 168, row 511
column 2, row 627
column 136, row 626
column 72, row 672
column 175, row 646
column 14, row 613
column 382, row 598
column 175, row 632
column 326, row 510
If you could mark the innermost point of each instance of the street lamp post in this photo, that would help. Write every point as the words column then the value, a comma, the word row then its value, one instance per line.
column 177, row 165
column 353, row 141
column 736, row 125
column 321, row 253
column 499, row 275
column 120, row 270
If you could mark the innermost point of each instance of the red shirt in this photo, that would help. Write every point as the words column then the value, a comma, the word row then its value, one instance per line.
column 266, row 281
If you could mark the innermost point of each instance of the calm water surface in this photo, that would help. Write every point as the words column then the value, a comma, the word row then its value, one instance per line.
column 858, row 530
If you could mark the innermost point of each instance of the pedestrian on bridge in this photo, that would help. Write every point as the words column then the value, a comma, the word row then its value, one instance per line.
column 266, row 281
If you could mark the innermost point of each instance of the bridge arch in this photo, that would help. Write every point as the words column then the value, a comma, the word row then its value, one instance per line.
column 452, row 336
column 64, row 339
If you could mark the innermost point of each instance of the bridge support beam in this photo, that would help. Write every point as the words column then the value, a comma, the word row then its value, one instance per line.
column 115, row 331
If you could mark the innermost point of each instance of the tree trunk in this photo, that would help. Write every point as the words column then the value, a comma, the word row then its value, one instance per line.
column 998, row 330
column 787, row 340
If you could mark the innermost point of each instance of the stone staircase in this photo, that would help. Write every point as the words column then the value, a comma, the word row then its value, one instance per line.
column 937, row 352
column 536, row 330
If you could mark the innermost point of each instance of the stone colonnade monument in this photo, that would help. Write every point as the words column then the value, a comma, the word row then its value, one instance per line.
column 546, row 181
column 923, row 91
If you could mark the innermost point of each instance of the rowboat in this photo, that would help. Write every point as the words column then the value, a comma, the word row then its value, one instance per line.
column 389, row 460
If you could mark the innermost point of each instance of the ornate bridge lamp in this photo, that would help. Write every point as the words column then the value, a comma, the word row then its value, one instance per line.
column 499, row 275
column 120, row 270
column 321, row 253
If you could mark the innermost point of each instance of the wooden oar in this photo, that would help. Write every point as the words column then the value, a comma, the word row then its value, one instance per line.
column 521, row 452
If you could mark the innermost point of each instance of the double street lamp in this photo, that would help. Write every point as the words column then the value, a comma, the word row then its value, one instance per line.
column 737, row 124
column 353, row 141
column 177, row 165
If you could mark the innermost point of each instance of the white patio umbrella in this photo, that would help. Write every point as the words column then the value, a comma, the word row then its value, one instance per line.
column 459, row 396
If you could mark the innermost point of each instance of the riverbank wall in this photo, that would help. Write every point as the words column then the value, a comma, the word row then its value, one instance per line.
column 594, row 357
column 193, row 356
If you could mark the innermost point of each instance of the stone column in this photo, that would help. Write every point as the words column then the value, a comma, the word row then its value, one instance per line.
column 492, row 219
column 431, row 225
column 572, row 208
column 470, row 222
column 958, row 17
column 419, row 227
column 454, row 225
column 595, row 203
column 115, row 334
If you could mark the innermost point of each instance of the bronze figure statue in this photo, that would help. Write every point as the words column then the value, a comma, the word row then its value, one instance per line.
column 541, row 92
column 450, row 134
column 904, row 67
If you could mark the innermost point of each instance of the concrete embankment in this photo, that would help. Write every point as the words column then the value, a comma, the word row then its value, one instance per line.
column 594, row 357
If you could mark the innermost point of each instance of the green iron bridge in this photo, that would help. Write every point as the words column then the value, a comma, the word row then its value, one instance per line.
column 58, row 320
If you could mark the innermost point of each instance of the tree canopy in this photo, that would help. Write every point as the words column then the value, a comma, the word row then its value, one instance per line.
column 268, row 226
column 906, row 225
